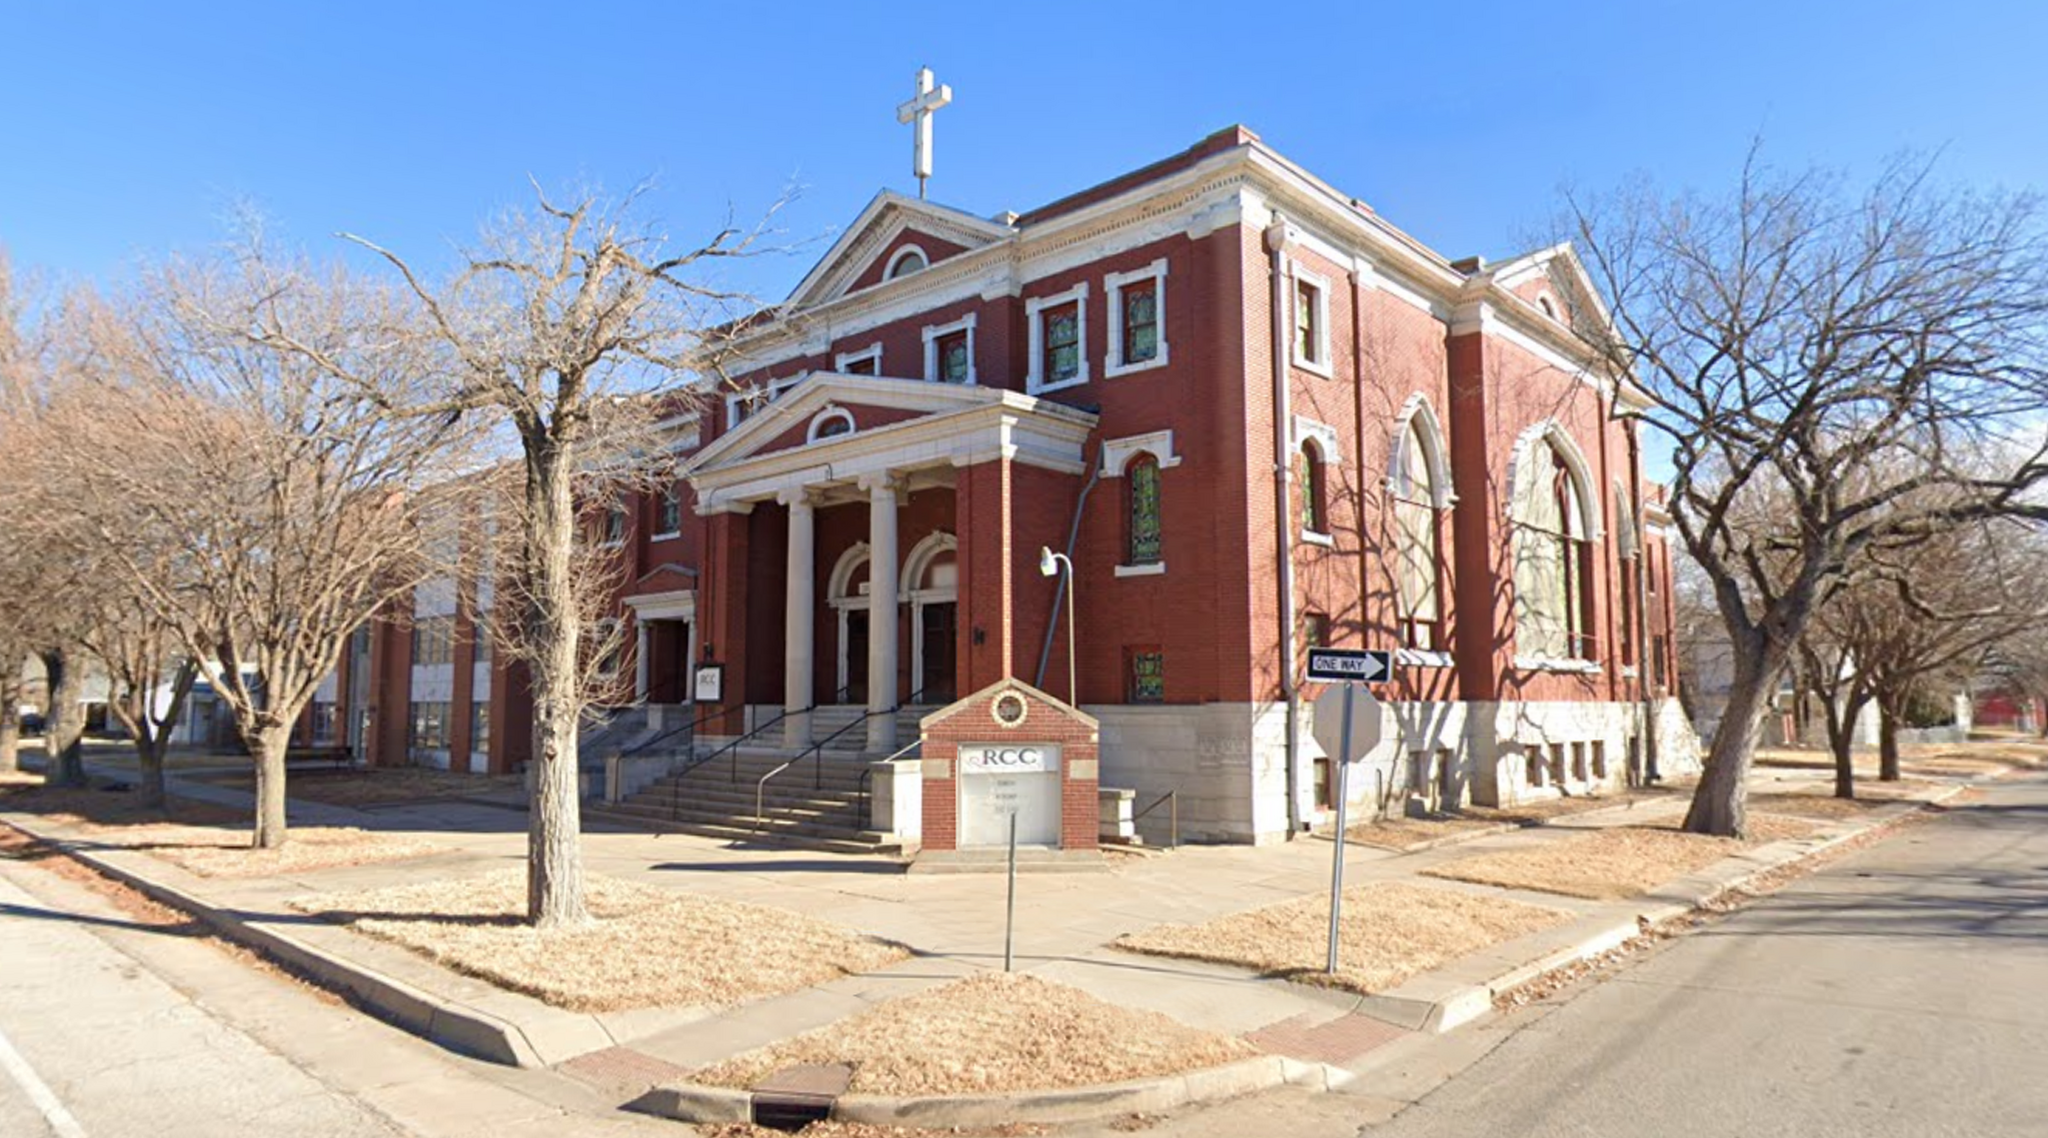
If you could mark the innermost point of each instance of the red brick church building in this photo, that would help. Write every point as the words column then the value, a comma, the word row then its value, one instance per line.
column 1251, row 414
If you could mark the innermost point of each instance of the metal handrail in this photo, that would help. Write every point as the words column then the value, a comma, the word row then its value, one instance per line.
column 867, row 774
column 818, row 749
column 1172, row 816
column 691, row 727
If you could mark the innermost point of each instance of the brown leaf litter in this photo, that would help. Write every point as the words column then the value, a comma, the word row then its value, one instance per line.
column 1389, row 932
column 990, row 1033
column 645, row 947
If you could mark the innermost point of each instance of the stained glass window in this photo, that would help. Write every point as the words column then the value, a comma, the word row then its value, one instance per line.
column 1141, row 322
column 953, row 358
column 1063, row 344
column 1313, row 517
column 1145, row 529
column 1148, row 675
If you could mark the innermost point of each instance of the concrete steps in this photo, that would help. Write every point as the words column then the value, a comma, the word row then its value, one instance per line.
column 808, row 805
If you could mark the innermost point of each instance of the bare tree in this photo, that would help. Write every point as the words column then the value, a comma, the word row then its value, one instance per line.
column 1794, row 337
column 294, row 507
column 547, row 327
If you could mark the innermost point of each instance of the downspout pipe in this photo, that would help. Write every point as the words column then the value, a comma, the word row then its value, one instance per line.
column 1283, row 472
column 1059, row 595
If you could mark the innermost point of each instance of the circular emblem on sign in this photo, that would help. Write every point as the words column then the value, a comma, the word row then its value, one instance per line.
column 1009, row 709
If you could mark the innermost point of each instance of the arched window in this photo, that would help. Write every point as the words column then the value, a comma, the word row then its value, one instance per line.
column 1553, row 555
column 909, row 259
column 1315, row 506
column 1417, row 548
column 1143, row 538
column 830, row 423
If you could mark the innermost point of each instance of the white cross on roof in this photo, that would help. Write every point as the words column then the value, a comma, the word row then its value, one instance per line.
column 920, row 108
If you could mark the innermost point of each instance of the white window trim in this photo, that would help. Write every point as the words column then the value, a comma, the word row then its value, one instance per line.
column 1328, row 443
column 871, row 352
column 1417, row 415
column 1320, row 366
column 1317, row 537
column 1148, row 569
column 831, row 414
column 761, row 394
column 896, row 258
column 1423, row 658
column 932, row 335
column 1117, row 453
column 607, row 628
column 625, row 526
column 665, row 535
column 1113, row 286
column 1034, row 309
column 1556, row 664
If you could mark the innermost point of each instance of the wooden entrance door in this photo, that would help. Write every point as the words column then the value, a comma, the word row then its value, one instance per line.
column 941, row 627
column 856, row 656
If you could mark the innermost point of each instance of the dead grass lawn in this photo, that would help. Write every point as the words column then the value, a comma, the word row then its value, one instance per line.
column 1389, row 932
column 988, row 1034
column 646, row 948
column 1415, row 833
column 1611, row 864
column 379, row 787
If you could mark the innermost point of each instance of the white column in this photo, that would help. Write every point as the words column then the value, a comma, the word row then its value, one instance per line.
column 799, row 638
column 639, row 659
column 882, row 555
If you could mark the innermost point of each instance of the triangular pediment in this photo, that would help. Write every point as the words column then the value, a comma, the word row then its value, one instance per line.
column 855, row 260
column 869, row 402
column 1566, row 275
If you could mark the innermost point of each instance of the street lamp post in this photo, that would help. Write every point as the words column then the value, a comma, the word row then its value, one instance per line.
column 1048, row 564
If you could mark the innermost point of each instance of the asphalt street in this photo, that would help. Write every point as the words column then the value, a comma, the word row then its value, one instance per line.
column 1901, row 991
column 92, row 1045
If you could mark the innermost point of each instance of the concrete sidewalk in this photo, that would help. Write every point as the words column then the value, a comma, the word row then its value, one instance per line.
column 954, row 923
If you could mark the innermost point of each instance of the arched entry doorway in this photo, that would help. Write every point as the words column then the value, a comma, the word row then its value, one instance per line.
column 930, row 585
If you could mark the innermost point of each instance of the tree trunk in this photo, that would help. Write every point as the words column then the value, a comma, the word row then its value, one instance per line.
column 1842, row 742
column 1887, row 740
column 10, row 717
column 267, row 746
column 64, row 720
column 149, row 762
column 1717, row 806
column 554, row 865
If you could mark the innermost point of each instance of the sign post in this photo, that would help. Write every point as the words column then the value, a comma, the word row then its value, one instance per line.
column 1350, row 668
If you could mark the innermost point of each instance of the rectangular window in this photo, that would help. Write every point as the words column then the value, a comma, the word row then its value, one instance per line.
column 433, row 640
column 324, row 722
column 953, row 358
column 1062, row 362
column 1148, row 675
column 1311, row 346
column 480, row 728
column 1141, row 322
column 614, row 532
column 671, row 514
column 866, row 365
column 429, row 726
column 1057, row 340
column 480, row 643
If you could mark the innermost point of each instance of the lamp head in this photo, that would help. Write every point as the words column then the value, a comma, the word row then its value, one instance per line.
column 1047, row 567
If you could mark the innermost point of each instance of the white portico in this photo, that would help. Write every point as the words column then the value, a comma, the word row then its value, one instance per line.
column 855, row 489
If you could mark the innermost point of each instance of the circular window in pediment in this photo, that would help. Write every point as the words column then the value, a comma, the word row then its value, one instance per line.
column 1009, row 710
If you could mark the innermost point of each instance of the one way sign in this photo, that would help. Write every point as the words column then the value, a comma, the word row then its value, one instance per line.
column 1349, row 666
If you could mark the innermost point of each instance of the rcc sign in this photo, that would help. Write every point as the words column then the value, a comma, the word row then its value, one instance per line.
column 1001, row 758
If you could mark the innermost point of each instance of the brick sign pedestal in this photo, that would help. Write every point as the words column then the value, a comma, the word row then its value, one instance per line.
column 1009, row 750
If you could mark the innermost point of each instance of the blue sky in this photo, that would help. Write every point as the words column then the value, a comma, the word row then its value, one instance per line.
column 130, row 129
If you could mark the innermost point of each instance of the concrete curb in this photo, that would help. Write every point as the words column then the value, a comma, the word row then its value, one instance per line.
column 1435, row 1006
column 691, row 1102
column 523, row 1033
